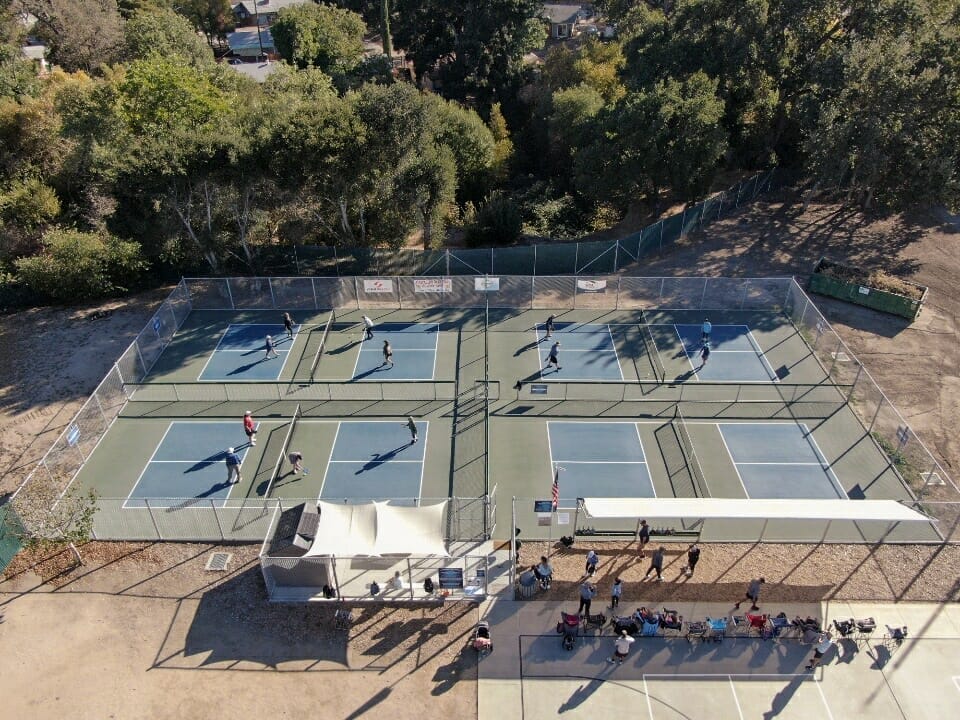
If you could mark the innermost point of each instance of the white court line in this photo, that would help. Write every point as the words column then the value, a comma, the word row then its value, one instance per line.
column 603, row 462
column 368, row 460
column 827, row 467
column 762, row 355
column 736, row 700
column 643, row 453
column 423, row 463
column 817, row 464
column 676, row 329
column 956, row 681
column 326, row 470
column 734, row 462
column 214, row 352
column 616, row 356
column 140, row 476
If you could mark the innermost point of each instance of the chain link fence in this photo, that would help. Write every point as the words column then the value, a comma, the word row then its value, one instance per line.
column 556, row 258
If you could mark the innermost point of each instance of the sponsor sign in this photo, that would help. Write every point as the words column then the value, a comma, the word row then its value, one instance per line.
column 592, row 286
column 379, row 285
column 486, row 284
column 433, row 285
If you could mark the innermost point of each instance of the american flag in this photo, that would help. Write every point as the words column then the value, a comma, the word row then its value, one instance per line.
column 556, row 487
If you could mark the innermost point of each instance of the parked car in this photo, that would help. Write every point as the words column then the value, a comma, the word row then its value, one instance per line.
column 589, row 30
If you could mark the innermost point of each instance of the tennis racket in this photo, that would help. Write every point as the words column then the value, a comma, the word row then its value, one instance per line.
column 306, row 471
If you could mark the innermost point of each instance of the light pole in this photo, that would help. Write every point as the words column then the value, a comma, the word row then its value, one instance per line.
column 256, row 12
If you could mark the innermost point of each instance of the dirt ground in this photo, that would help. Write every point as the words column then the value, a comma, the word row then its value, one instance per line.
column 126, row 634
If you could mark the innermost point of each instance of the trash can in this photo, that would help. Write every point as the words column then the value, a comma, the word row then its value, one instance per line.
column 528, row 584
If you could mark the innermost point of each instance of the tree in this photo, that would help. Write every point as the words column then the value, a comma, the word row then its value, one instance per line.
column 572, row 125
column 669, row 137
column 498, row 222
column 214, row 18
column 471, row 143
column 503, row 145
column 49, row 510
column 596, row 65
column 81, row 34
column 476, row 47
column 321, row 36
column 164, row 32
column 892, row 132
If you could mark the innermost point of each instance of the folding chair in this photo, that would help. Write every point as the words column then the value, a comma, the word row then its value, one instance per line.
column 865, row 630
column 718, row 628
column 697, row 630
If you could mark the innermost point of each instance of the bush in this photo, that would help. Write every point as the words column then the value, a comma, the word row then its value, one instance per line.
column 498, row 222
column 78, row 266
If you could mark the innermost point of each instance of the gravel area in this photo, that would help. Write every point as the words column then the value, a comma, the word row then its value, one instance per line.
column 794, row 573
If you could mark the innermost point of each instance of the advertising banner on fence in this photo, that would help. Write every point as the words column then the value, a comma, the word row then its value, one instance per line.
column 380, row 285
column 592, row 286
column 486, row 284
column 433, row 285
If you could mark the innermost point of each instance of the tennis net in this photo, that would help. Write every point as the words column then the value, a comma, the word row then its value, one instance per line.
column 689, row 454
column 323, row 342
column 285, row 448
column 650, row 344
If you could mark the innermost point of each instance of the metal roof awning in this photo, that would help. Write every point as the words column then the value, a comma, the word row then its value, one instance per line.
column 752, row 509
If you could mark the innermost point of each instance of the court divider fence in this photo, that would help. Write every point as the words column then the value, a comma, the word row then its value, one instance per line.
column 249, row 519
column 906, row 453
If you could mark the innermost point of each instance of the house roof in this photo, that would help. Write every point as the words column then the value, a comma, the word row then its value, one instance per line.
column 560, row 14
column 266, row 7
column 34, row 52
column 243, row 41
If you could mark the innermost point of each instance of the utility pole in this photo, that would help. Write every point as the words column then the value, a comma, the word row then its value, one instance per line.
column 385, row 29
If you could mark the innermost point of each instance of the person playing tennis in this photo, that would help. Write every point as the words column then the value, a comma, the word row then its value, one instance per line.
column 387, row 353
column 296, row 459
column 554, row 357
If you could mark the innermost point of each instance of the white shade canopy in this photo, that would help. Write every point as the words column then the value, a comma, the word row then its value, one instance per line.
column 378, row 528
column 752, row 509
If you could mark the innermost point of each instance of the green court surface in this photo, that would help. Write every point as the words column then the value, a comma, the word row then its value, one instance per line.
column 628, row 415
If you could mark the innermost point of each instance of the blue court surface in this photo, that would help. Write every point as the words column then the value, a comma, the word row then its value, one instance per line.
column 414, row 352
column 599, row 459
column 189, row 463
column 241, row 353
column 586, row 352
column 779, row 461
column 735, row 355
column 375, row 461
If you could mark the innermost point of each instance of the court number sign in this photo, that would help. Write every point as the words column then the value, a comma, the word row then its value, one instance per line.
column 379, row 285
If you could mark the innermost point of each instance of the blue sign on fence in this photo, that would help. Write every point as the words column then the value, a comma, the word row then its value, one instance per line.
column 73, row 434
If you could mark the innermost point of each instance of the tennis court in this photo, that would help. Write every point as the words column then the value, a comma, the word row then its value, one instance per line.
column 735, row 356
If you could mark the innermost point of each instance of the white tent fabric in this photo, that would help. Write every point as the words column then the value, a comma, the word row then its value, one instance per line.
column 345, row 530
column 410, row 530
column 752, row 509
column 379, row 529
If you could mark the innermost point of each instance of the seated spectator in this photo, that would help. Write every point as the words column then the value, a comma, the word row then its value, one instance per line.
column 543, row 571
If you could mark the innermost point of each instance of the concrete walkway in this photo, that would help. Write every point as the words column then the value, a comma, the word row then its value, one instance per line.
column 530, row 676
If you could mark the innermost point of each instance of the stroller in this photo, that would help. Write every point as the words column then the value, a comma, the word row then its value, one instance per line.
column 594, row 622
column 481, row 641
column 569, row 627
column 619, row 623
column 671, row 620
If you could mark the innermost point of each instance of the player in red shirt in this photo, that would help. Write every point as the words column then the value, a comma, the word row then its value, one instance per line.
column 250, row 428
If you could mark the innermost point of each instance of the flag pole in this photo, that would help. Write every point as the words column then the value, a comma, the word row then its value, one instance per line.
column 554, row 509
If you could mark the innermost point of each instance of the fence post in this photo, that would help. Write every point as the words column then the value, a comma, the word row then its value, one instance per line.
column 853, row 385
column 233, row 305
column 616, row 304
column 336, row 260
column 743, row 295
column 446, row 254
column 576, row 264
column 616, row 255
column 703, row 295
column 661, row 235
column 356, row 290
column 156, row 528
column 140, row 355
column 216, row 516
column 313, row 286
column 174, row 315
column 683, row 223
column 273, row 298
column 739, row 188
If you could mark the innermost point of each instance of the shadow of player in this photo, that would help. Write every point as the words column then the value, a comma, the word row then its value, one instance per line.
column 381, row 458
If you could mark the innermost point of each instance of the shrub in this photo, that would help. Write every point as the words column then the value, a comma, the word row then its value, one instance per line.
column 77, row 266
column 498, row 222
